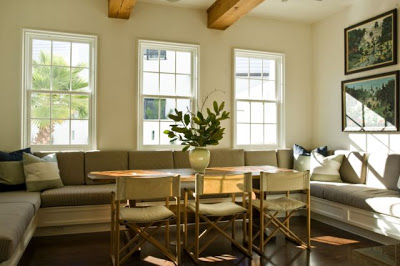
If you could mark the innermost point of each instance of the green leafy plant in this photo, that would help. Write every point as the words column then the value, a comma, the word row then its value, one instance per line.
column 197, row 130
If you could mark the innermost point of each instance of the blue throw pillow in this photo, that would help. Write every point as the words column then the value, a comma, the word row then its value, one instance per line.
column 301, row 157
column 13, row 156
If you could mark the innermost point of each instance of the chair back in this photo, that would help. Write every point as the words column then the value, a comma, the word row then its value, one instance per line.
column 146, row 187
column 284, row 181
column 221, row 184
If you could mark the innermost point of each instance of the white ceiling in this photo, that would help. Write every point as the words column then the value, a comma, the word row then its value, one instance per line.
column 308, row 11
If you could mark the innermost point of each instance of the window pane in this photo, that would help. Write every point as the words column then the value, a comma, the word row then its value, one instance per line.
column 167, row 107
column 183, row 105
column 79, row 107
column 269, row 90
column 150, row 83
column 242, row 88
column 255, row 89
column 60, row 134
column 40, row 131
column 167, row 84
column 257, row 134
column 256, row 112
column 242, row 67
column 243, row 134
column 270, row 134
column 61, row 78
column 183, row 62
column 270, row 112
column 151, row 108
column 243, row 112
column 80, row 54
column 255, row 67
column 150, row 133
column 164, row 137
column 41, row 77
column 80, row 132
column 183, row 86
column 40, row 105
column 61, row 53
column 60, row 106
column 150, row 60
column 269, row 69
column 41, row 52
column 80, row 79
column 167, row 63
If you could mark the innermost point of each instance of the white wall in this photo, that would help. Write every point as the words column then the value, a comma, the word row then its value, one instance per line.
column 117, row 61
column 328, row 72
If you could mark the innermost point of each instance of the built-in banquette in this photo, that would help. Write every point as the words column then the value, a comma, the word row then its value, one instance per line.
column 368, row 197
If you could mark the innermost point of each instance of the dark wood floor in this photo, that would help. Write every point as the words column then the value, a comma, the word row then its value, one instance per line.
column 331, row 246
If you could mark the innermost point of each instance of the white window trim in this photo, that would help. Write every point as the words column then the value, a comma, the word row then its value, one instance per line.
column 195, row 51
column 280, row 73
column 28, row 35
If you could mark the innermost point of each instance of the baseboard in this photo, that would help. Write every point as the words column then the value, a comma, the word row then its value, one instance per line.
column 19, row 250
column 378, row 227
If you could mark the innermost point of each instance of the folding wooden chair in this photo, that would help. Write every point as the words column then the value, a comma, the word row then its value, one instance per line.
column 269, row 208
column 221, row 184
column 144, row 221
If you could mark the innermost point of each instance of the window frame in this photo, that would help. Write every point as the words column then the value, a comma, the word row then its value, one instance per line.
column 28, row 36
column 279, row 58
column 194, row 49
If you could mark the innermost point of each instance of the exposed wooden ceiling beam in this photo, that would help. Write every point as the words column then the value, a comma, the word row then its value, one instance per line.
column 223, row 13
column 120, row 8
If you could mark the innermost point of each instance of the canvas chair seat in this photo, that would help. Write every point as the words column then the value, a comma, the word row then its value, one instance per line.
column 218, row 209
column 280, row 204
column 155, row 213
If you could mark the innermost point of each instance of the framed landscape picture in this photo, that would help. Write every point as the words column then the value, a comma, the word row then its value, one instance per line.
column 371, row 103
column 372, row 43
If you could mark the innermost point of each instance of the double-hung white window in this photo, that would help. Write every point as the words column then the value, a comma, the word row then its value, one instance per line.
column 59, row 90
column 168, row 80
column 258, row 95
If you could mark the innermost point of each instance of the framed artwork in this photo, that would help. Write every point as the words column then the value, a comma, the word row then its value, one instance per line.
column 371, row 44
column 371, row 103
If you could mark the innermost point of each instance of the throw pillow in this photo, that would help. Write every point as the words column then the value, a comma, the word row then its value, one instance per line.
column 11, row 176
column 13, row 156
column 325, row 168
column 41, row 173
column 301, row 161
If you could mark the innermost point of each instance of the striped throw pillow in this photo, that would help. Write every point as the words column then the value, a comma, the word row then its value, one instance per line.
column 325, row 168
column 41, row 173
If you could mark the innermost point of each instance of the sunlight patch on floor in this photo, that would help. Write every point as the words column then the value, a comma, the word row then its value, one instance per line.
column 224, row 257
column 336, row 241
column 158, row 261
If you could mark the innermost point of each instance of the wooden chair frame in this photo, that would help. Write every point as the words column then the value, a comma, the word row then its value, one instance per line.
column 141, row 233
column 194, row 250
column 284, row 227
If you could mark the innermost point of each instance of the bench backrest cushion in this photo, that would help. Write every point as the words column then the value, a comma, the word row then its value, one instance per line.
column 104, row 161
column 71, row 166
column 354, row 166
column 181, row 159
column 150, row 160
column 260, row 158
column 383, row 170
column 226, row 158
column 285, row 158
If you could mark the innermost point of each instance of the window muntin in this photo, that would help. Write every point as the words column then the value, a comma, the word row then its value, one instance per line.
column 258, row 98
column 59, row 90
column 168, row 76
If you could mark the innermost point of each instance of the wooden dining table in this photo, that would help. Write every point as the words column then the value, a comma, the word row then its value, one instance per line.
column 186, row 174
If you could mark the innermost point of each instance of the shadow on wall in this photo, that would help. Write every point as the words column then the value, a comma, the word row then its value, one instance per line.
column 375, row 142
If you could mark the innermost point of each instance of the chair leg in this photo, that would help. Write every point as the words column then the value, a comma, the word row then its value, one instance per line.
column 117, row 240
column 196, row 234
column 178, row 231
column 185, row 223
column 308, row 228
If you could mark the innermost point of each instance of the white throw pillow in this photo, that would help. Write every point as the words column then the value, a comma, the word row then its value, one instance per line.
column 325, row 168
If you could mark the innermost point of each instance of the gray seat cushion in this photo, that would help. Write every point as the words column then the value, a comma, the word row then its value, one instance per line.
column 181, row 159
column 226, row 158
column 285, row 158
column 144, row 160
column 14, row 220
column 359, row 196
column 260, row 158
column 78, row 195
column 32, row 198
column 104, row 161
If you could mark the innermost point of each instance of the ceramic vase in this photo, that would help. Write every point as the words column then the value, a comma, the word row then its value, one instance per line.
column 199, row 159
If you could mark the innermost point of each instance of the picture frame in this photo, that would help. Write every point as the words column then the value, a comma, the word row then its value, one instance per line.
column 371, row 103
column 371, row 43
